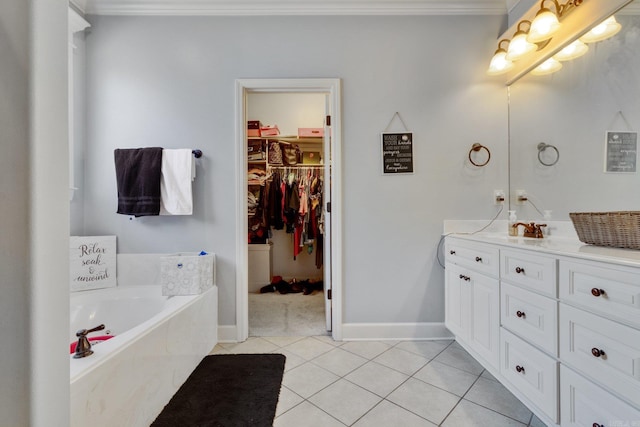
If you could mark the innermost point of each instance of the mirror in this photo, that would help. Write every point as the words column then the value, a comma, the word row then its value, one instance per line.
column 573, row 110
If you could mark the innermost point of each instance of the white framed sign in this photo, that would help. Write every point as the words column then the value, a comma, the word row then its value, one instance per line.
column 621, row 152
column 92, row 261
column 397, row 153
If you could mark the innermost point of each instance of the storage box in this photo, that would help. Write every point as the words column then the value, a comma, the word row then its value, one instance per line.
column 253, row 128
column 311, row 158
column 267, row 130
column 187, row 273
column 310, row 132
column 254, row 146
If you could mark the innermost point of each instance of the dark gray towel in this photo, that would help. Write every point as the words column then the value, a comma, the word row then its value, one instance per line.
column 138, row 173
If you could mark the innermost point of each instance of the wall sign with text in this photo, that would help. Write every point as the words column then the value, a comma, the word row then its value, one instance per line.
column 92, row 261
column 397, row 153
column 621, row 152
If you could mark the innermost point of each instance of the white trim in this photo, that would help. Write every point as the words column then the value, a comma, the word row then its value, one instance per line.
column 333, row 88
column 227, row 333
column 395, row 331
column 299, row 7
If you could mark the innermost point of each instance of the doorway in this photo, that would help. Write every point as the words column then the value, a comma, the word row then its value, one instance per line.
column 328, row 91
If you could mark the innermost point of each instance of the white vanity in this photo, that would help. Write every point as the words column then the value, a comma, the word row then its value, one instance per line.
column 555, row 320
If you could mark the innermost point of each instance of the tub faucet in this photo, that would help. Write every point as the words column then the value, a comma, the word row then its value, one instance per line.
column 531, row 230
column 83, row 348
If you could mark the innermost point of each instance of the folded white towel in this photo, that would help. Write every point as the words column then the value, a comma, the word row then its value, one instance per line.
column 178, row 170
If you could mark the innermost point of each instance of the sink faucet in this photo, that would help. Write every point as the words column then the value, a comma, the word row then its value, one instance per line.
column 531, row 229
column 83, row 348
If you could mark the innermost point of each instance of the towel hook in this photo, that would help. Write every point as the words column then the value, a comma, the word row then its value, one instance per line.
column 477, row 147
column 542, row 147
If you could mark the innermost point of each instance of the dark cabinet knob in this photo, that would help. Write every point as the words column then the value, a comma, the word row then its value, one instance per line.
column 519, row 270
column 597, row 292
column 466, row 278
column 520, row 313
column 597, row 352
column 478, row 259
column 461, row 276
column 520, row 369
column 452, row 252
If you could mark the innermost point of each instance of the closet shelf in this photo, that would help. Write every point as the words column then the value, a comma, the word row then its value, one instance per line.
column 291, row 139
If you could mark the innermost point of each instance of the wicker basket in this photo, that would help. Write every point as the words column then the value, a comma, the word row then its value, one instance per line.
column 616, row 229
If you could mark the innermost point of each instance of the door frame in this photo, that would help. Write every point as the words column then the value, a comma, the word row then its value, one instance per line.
column 331, row 87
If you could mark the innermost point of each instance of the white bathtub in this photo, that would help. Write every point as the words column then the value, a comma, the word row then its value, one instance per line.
column 158, row 342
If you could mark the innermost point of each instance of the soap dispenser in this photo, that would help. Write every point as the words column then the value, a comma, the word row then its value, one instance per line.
column 513, row 231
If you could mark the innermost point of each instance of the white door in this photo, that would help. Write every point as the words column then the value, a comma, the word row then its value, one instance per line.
column 327, row 213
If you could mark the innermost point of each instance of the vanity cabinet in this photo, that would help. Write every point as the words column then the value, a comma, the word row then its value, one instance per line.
column 472, row 297
column 568, row 324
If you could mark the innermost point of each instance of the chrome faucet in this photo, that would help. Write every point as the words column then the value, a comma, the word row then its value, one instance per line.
column 83, row 348
column 531, row 229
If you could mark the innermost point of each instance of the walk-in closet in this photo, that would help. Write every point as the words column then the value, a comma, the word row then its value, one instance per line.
column 286, row 184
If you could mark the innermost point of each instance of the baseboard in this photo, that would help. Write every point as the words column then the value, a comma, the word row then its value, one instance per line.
column 395, row 331
column 227, row 333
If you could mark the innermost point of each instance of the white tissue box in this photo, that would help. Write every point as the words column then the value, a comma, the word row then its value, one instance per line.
column 186, row 273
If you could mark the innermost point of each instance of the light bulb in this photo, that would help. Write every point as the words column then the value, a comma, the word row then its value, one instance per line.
column 572, row 51
column 499, row 63
column 544, row 25
column 519, row 46
column 547, row 67
column 602, row 31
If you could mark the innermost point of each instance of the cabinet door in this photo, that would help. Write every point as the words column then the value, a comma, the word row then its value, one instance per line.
column 586, row 404
column 457, row 299
column 484, row 328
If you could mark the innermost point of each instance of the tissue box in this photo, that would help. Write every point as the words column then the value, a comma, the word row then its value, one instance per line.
column 186, row 273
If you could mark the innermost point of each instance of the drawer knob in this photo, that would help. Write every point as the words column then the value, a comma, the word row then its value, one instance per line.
column 520, row 314
column 597, row 292
column 452, row 252
column 519, row 270
column 467, row 278
column 478, row 259
column 520, row 369
column 597, row 352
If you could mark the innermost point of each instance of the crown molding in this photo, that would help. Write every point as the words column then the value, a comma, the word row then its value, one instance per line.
column 292, row 7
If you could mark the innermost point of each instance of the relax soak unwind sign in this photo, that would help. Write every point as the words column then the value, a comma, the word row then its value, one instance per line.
column 92, row 262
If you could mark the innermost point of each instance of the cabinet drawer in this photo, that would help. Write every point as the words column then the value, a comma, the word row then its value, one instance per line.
column 534, row 373
column 533, row 271
column 531, row 316
column 613, row 293
column 585, row 404
column 477, row 256
column 602, row 349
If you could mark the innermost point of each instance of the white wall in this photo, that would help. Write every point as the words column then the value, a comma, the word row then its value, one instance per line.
column 34, row 308
column 170, row 82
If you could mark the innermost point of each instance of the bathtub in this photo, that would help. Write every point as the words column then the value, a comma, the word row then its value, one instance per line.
column 157, row 342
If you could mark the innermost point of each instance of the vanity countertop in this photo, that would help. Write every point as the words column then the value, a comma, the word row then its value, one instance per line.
column 558, row 245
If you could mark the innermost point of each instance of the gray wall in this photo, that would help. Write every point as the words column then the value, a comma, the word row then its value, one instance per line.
column 169, row 81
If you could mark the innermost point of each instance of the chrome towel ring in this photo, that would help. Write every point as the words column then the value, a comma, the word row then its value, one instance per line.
column 477, row 147
column 542, row 147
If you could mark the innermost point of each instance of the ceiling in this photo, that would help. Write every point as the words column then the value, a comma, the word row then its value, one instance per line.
column 296, row 7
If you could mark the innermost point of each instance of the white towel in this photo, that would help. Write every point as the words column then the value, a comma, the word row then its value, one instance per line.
column 178, row 170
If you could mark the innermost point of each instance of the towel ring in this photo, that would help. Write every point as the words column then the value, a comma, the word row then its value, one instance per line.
column 543, row 146
column 477, row 147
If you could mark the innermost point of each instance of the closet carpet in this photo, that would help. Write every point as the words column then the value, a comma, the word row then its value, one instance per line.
column 279, row 315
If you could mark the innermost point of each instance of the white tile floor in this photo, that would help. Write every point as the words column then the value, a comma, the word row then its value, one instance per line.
column 384, row 383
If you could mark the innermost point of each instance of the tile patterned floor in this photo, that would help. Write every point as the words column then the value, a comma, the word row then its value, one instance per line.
column 385, row 383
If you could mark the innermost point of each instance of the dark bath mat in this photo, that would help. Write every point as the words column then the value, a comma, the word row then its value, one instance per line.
column 227, row 390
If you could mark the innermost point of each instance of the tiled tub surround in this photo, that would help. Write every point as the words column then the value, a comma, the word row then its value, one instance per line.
column 129, row 378
column 555, row 320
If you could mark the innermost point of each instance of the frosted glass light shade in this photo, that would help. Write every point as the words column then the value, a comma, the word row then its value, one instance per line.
column 602, row 31
column 519, row 46
column 499, row 63
column 547, row 67
column 572, row 51
column 544, row 25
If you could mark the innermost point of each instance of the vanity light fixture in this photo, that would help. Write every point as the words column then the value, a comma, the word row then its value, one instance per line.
column 549, row 66
column 572, row 51
column 499, row 63
column 607, row 28
column 519, row 46
column 546, row 23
